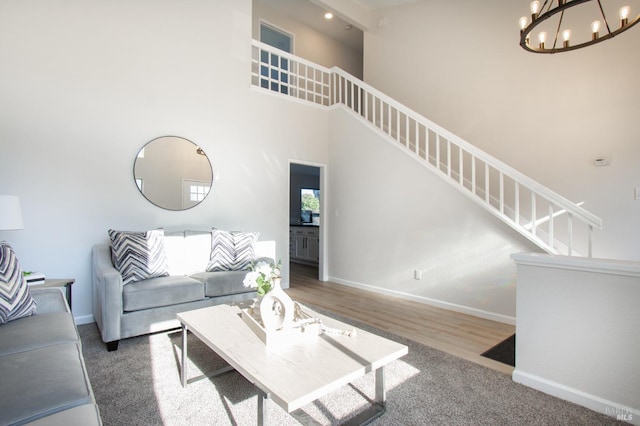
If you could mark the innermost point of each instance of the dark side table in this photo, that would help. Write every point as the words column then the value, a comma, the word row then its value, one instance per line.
column 59, row 282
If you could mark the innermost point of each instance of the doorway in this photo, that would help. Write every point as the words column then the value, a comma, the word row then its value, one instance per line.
column 306, row 219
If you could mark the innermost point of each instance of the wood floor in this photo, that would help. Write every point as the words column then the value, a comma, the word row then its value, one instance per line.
column 462, row 335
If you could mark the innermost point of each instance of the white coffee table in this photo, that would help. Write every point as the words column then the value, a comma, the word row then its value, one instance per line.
column 295, row 374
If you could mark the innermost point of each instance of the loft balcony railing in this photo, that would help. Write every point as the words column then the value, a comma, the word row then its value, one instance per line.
column 549, row 220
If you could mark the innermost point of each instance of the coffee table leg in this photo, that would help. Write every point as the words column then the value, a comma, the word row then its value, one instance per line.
column 381, row 396
column 183, row 367
column 378, row 406
column 262, row 407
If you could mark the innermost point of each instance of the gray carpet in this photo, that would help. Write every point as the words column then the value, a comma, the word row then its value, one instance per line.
column 139, row 384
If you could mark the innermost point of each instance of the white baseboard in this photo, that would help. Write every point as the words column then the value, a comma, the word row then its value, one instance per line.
column 428, row 301
column 592, row 402
column 85, row 319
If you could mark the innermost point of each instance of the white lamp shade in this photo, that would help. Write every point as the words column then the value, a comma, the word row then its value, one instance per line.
column 10, row 213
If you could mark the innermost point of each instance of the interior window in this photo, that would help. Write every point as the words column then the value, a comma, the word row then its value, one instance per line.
column 277, row 38
column 274, row 68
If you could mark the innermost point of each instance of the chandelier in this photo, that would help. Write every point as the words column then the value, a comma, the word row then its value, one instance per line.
column 562, row 41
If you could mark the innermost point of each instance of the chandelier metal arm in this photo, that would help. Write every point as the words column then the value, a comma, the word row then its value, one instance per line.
column 524, row 34
column 547, row 2
column 555, row 40
column 604, row 18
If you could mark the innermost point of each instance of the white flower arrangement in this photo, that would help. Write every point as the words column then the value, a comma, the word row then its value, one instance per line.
column 261, row 276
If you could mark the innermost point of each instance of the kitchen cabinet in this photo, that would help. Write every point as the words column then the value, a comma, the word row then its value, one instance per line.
column 304, row 244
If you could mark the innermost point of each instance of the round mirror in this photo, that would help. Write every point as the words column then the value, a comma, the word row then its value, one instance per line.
column 173, row 173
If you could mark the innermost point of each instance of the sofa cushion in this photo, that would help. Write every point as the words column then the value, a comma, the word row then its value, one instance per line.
column 231, row 251
column 223, row 283
column 15, row 298
column 43, row 381
column 37, row 331
column 82, row 415
column 138, row 255
column 161, row 291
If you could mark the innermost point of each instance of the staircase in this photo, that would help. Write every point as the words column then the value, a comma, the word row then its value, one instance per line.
column 549, row 220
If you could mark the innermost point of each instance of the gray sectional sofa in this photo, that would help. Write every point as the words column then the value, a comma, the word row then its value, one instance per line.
column 43, row 379
column 150, row 305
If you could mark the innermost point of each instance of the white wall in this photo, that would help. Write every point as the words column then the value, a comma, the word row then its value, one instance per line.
column 309, row 43
column 389, row 215
column 85, row 84
column 577, row 331
column 549, row 116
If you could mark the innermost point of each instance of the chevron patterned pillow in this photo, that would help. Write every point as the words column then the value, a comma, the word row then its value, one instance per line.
column 231, row 251
column 15, row 298
column 138, row 255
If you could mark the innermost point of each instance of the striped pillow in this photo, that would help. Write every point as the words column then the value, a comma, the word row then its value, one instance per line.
column 138, row 255
column 15, row 297
column 231, row 251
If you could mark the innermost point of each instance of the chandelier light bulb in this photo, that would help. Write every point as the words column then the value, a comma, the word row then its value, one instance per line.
column 595, row 30
column 624, row 12
column 328, row 15
column 535, row 9
column 523, row 23
column 535, row 6
column 624, row 15
column 566, row 35
column 542, row 37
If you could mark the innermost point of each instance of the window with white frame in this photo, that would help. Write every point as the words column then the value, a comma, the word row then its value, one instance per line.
column 198, row 192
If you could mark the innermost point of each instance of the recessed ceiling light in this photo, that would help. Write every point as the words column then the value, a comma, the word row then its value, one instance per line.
column 328, row 15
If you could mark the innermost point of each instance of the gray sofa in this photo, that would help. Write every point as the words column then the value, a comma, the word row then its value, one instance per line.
column 151, row 305
column 44, row 380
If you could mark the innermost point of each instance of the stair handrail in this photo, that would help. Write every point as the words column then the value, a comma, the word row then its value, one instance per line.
column 290, row 78
column 586, row 216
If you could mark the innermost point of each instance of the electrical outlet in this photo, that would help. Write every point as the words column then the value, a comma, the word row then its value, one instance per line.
column 637, row 194
column 417, row 274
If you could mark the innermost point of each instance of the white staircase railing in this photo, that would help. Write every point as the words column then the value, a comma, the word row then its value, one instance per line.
column 549, row 220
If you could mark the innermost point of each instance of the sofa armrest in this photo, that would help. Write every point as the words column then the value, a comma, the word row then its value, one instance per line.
column 107, row 293
column 49, row 300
